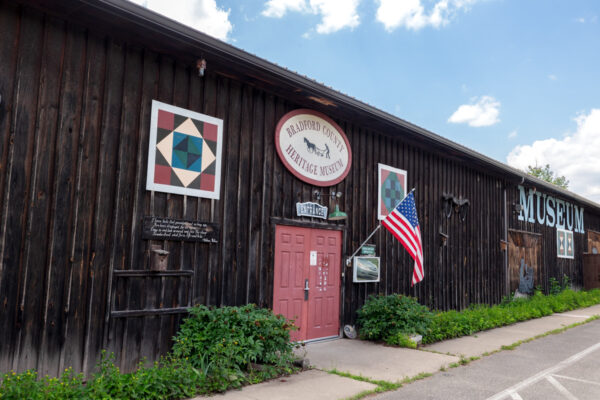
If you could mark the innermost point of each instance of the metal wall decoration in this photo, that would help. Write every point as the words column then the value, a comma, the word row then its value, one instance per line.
column 451, row 203
column 564, row 244
column 391, row 188
column 184, row 154
column 366, row 269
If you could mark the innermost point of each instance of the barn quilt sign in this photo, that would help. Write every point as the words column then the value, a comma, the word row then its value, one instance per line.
column 313, row 147
column 184, row 155
column 391, row 189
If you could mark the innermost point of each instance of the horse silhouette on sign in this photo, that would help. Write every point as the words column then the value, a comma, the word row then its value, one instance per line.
column 313, row 149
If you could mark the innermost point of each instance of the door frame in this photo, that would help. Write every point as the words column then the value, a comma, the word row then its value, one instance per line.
column 509, row 231
column 313, row 225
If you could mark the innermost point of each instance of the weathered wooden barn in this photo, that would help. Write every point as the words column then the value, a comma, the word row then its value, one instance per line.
column 84, row 265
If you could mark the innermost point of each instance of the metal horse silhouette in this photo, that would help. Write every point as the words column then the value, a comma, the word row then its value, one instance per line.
column 313, row 149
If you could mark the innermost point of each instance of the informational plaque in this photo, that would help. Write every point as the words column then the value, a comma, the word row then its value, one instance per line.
column 160, row 228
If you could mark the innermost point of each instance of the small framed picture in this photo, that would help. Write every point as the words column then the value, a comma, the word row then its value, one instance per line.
column 366, row 269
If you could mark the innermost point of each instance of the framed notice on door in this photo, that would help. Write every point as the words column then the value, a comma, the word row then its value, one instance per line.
column 366, row 269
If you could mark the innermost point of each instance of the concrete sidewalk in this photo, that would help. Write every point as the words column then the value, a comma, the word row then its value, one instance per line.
column 391, row 364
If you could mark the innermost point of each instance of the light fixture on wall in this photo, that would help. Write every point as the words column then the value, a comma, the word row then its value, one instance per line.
column 336, row 215
column 517, row 208
column 201, row 65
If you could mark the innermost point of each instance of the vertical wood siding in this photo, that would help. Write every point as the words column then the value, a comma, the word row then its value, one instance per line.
column 74, row 122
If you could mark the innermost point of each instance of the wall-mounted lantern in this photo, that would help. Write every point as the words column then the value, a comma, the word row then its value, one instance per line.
column 201, row 65
column 517, row 208
column 336, row 215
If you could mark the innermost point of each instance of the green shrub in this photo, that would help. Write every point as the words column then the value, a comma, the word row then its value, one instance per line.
column 452, row 324
column 170, row 378
column 385, row 317
column 215, row 349
column 556, row 287
column 401, row 340
column 26, row 385
column 392, row 318
column 225, row 342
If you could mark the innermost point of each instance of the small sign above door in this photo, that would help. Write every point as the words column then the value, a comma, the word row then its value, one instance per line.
column 311, row 209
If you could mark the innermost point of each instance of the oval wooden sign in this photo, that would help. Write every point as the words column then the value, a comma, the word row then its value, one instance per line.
column 313, row 147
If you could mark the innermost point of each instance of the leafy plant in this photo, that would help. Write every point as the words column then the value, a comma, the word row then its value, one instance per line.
column 556, row 287
column 392, row 318
column 546, row 174
column 215, row 349
column 225, row 343
column 171, row 378
column 451, row 324
column 401, row 340
column 386, row 317
column 26, row 385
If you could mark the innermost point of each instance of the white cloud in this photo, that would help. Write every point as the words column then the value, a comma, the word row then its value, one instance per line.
column 513, row 134
column 552, row 77
column 583, row 20
column 481, row 112
column 411, row 14
column 575, row 155
column 278, row 8
column 335, row 14
column 202, row 15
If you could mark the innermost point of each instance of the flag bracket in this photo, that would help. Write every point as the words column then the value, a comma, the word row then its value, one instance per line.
column 349, row 259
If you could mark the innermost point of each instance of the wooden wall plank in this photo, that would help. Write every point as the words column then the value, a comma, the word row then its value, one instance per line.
column 36, row 246
column 18, row 180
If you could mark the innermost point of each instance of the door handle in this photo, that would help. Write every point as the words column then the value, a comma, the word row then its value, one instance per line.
column 306, row 289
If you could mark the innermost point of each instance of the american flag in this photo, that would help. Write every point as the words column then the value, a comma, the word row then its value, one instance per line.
column 404, row 225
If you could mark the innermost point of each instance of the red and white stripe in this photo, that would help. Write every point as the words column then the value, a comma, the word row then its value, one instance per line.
column 410, row 238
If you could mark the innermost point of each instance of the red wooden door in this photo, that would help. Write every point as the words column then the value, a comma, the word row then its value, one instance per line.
column 324, row 279
column 315, row 312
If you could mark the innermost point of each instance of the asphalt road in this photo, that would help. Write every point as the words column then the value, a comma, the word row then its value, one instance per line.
column 562, row 366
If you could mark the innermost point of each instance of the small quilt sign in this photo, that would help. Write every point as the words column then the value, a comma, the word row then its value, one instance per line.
column 392, row 189
column 564, row 244
column 184, row 155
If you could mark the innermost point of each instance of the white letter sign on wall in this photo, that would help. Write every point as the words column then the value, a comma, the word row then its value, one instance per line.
column 550, row 211
column 313, row 147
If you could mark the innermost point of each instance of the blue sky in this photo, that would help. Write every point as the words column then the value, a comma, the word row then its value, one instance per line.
column 518, row 81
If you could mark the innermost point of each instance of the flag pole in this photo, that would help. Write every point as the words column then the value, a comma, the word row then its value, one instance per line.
column 348, row 260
